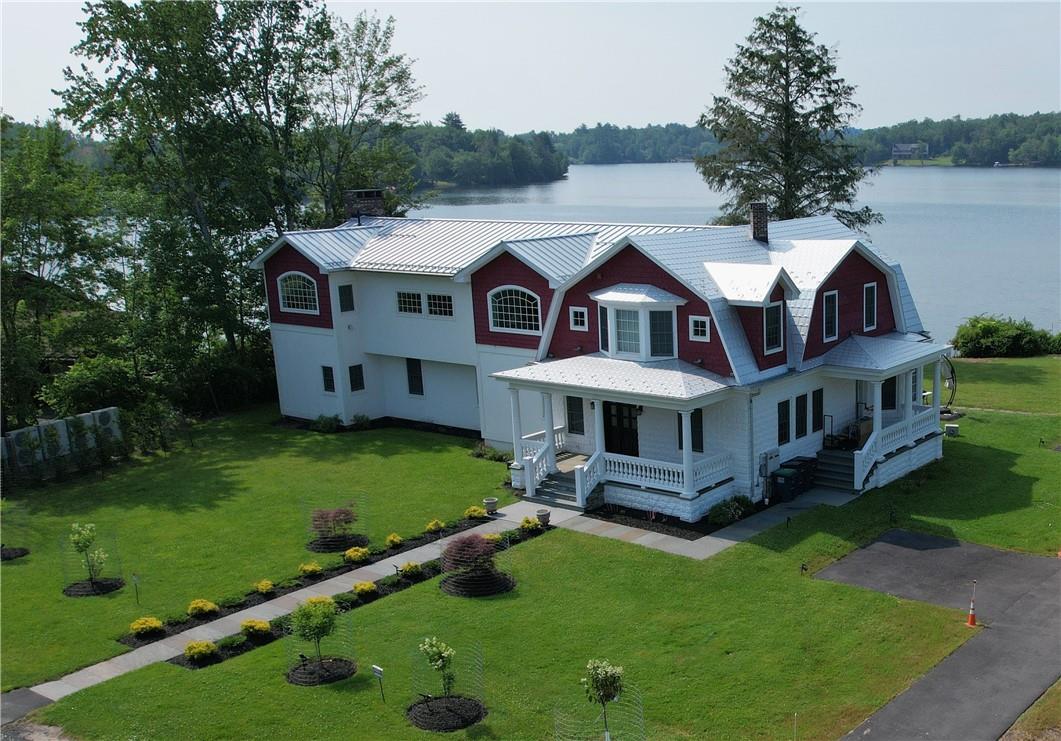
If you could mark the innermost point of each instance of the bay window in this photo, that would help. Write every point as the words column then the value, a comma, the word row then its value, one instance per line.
column 627, row 331
column 637, row 322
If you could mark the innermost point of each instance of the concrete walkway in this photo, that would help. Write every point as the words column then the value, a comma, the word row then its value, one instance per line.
column 17, row 703
column 719, row 540
column 982, row 688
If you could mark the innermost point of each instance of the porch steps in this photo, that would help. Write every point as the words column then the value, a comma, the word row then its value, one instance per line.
column 557, row 490
column 836, row 469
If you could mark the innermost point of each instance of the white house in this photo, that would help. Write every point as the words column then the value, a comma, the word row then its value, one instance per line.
column 664, row 367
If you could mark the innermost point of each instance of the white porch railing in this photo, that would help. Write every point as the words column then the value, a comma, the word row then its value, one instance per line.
column 710, row 471
column 535, row 441
column 646, row 472
column 535, row 469
column 587, row 476
column 891, row 438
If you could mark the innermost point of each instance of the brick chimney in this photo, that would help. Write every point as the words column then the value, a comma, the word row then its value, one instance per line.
column 360, row 203
column 760, row 222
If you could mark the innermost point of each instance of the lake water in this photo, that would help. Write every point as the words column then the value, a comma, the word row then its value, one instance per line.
column 971, row 241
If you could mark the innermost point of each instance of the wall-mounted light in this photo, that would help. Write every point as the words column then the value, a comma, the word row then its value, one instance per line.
column 639, row 410
column 578, row 348
column 592, row 404
column 698, row 361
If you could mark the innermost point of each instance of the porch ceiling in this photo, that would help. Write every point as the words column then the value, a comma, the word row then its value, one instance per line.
column 880, row 357
column 664, row 382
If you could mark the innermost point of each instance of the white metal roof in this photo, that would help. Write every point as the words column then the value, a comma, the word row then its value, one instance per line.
column 859, row 352
column 665, row 379
column 329, row 249
column 446, row 246
column 636, row 293
column 745, row 284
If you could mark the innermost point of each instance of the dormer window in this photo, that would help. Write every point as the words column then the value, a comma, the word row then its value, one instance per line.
column 773, row 336
column 298, row 293
column 637, row 321
column 516, row 310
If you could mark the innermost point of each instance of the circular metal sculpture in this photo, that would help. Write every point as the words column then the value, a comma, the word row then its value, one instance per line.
column 333, row 529
column 447, row 684
column 470, row 569
column 585, row 722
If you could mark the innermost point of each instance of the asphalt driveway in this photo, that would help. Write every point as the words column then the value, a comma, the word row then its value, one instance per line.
column 978, row 691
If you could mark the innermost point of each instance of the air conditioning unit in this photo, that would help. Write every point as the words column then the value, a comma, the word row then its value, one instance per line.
column 62, row 437
column 88, row 440
column 769, row 461
column 26, row 446
column 107, row 422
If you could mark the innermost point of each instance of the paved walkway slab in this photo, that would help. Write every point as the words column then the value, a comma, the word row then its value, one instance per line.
column 982, row 688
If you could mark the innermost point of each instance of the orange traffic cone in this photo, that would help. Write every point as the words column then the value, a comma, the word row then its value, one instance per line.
column 971, row 621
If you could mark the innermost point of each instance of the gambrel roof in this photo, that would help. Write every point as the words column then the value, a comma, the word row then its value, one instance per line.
column 723, row 265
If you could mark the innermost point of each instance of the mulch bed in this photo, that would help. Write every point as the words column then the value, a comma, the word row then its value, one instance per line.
column 227, row 651
column 657, row 523
column 95, row 588
column 10, row 554
column 312, row 673
column 445, row 714
column 477, row 583
column 336, row 543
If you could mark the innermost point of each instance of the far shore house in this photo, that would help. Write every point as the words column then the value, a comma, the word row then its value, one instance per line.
column 662, row 367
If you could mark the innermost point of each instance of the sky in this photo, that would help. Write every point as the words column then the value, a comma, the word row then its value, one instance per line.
column 554, row 66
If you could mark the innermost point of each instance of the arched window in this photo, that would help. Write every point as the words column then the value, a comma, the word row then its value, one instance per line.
column 298, row 293
column 513, row 309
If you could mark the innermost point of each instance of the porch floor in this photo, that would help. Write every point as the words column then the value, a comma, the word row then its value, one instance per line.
column 566, row 462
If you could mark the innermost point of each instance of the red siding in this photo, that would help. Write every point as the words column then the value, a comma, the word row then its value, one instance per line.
column 506, row 270
column 751, row 318
column 285, row 260
column 631, row 266
column 848, row 280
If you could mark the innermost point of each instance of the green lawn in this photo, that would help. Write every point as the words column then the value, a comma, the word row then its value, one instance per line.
column 207, row 522
column 728, row 647
column 1040, row 722
column 1016, row 384
column 724, row 648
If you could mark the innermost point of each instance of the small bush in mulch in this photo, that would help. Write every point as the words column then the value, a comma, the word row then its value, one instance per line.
column 229, row 647
column 445, row 714
column 10, row 554
column 659, row 523
column 470, row 571
column 93, row 587
column 313, row 672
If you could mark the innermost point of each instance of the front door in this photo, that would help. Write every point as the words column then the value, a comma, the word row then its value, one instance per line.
column 620, row 428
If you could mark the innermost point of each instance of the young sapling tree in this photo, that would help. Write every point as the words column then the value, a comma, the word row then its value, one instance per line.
column 603, row 683
column 313, row 622
column 440, row 658
column 83, row 538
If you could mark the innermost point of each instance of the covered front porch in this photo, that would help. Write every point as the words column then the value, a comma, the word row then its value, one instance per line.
column 661, row 443
column 890, row 413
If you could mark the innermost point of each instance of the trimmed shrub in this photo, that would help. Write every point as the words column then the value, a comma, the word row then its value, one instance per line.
column 255, row 628
column 724, row 513
column 264, row 586
column 321, row 599
column 346, row 601
column 410, row 569
column 325, row 423
column 365, row 588
column 198, row 608
column 747, row 506
column 145, row 626
column 360, row 422
column 530, row 525
column 493, row 537
column 356, row 554
column 434, row 526
column 394, row 540
column 200, row 651
column 311, row 568
column 985, row 336
column 475, row 512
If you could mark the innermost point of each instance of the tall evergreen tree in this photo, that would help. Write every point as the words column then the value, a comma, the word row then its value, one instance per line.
column 782, row 128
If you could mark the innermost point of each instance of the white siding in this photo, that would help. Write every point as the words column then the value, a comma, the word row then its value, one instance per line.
column 907, row 461
column 450, row 396
column 839, row 401
column 299, row 353
column 496, row 412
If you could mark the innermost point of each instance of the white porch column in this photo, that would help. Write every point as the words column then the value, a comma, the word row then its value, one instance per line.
column 550, row 436
column 908, row 395
column 598, row 425
column 687, row 453
column 937, row 386
column 517, row 426
column 878, row 402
